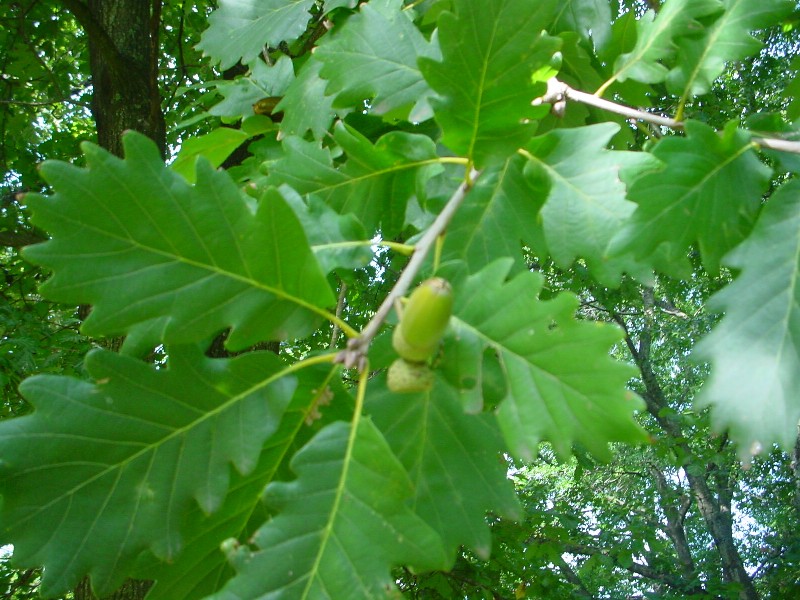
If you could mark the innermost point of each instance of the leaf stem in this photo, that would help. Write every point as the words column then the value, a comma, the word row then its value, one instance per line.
column 355, row 353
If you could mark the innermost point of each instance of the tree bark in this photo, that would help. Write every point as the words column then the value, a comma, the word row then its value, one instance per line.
column 715, row 510
column 123, row 57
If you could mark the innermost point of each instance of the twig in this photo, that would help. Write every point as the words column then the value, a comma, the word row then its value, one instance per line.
column 339, row 307
column 558, row 92
column 354, row 354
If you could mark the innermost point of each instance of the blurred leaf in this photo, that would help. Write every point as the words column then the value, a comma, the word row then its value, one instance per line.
column 590, row 18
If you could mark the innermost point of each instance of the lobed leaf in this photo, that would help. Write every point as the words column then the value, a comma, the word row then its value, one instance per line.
column 374, row 57
column 126, row 455
column 374, row 184
column 202, row 568
column 558, row 383
column 340, row 526
column 489, row 54
column 656, row 36
column 702, row 58
column 708, row 193
column 755, row 350
column 338, row 241
column 239, row 29
column 170, row 262
column 585, row 195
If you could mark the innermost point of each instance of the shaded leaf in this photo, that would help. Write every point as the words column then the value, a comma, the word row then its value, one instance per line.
column 590, row 18
column 306, row 105
column 340, row 526
column 374, row 184
column 214, row 146
column 338, row 241
column 755, row 350
column 490, row 51
column 133, row 239
column 239, row 29
column 374, row 56
column 561, row 385
column 126, row 455
column 262, row 81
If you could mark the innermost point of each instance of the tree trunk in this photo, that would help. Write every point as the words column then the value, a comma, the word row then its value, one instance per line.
column 715, row 509
column 123, row 56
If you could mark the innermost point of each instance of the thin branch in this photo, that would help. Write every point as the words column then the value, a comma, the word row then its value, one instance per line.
column 558, row 92
column 339, row 307
column 357, row 347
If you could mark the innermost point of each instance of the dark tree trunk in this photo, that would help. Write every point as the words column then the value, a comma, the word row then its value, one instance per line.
column 123, row 56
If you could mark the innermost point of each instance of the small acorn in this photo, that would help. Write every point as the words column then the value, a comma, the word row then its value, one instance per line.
column 406, row 377
column 424, row 320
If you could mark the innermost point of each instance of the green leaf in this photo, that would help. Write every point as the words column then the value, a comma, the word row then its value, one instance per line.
column 499, row 213
column 590, row 18
column 755, row 350
column 374, row 56
column 340, row 526
column 306, row 105
column 656, row 34
column 708, row 193
column 585, row 195
column 262, row 81
column 134, row 240
column 126, row 455
column 201, row 568
column 215, row 147
column 561, row 384
column 338, row 241
column 239, row 29
column 490, row 52
column 454, row 461
column 374, row 184
column 701, row 59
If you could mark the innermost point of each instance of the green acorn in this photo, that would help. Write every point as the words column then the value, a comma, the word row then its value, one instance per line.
column 406, row 377
column 424, row 320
